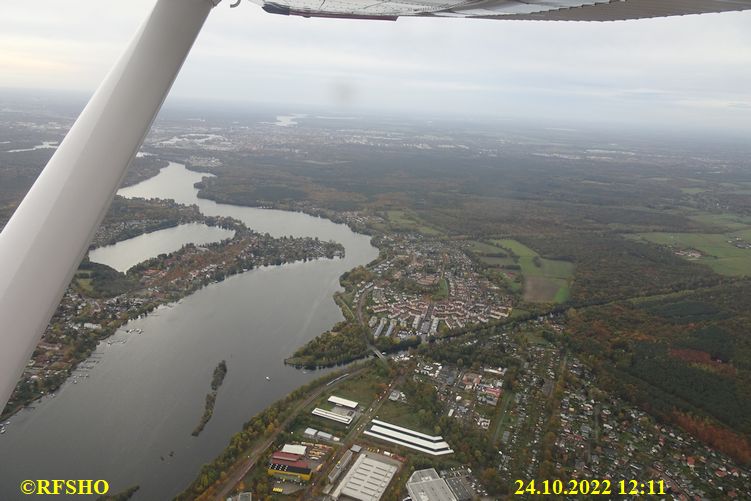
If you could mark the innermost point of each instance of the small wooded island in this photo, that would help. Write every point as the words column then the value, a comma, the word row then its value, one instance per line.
column 216, row 381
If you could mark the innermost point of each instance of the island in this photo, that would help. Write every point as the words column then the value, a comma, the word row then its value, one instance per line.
column 216, row 381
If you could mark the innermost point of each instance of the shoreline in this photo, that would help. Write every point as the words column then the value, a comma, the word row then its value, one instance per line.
column 153, row 304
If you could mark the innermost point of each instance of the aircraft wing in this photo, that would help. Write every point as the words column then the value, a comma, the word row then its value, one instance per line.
column 540, row 10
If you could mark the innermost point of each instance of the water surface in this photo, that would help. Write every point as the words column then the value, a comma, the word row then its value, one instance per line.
column 128, row 253
column 141, row 394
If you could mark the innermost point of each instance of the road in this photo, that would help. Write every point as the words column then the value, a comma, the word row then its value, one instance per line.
column 361, row 319
column 372, row 411
column 362, row 422
column 239, row 471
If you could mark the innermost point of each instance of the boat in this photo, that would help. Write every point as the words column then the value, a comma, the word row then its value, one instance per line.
column 268, row 378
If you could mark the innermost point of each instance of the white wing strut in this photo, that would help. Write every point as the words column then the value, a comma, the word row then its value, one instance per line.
column 45, row 240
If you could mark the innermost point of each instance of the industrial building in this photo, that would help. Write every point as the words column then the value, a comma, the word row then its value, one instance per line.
column 284, row 456
column 340, row 466
column 350, row 404
column 367, row 479
column 300, row 450
column 298, row 470
column 426, row 485
column 312, row 433
column 433, row 445
column 339, row 417
column 289, row 463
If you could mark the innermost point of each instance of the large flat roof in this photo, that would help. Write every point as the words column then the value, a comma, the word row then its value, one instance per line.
column 366, row 480
column 427, row 485
column 285, row 456
column 294, row 449
column 301, row 467
column 343, row 402
column 433, row 445
column 407, row 431
column 340, row 418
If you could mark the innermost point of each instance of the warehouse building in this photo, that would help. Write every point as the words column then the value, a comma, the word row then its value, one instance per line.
column 298, row 470
column 300, row 450
column 339, row 417
column 433, row 445
column 340, row 466
column 285, row 456
column 287, row 465
column 350, row 404
column 426, row 485
column 367, row 479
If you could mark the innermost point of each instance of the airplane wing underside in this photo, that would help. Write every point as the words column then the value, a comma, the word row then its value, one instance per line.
column 541, row 10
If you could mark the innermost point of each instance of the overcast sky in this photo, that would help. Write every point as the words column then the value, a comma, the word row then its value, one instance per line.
column 694, row 70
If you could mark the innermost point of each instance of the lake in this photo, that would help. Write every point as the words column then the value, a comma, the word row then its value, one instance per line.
column 127, row 415
column 128, row 253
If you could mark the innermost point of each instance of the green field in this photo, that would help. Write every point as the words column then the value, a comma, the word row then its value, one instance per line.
column 363, row 388
column 693, row 191
column 720, row 255
column 402, row 414
column 497, row 261
column 443, row 290
column 478, row 247
column 401, row 220
column 545, row 280
column 84, row 280
column 723, row 222
column 517, row 248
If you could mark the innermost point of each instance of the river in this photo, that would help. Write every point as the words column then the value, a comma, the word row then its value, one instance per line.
column 128, row 416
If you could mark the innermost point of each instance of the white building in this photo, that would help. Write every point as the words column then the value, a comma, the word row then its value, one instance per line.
column 433, row 445
column 426, row 485
column 350, row 404
column 367, row 479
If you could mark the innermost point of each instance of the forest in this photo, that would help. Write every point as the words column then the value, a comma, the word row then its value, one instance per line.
column 344, row 343
column 684, row 357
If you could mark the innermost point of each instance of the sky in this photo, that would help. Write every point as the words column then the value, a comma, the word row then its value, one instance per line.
column 692, row 71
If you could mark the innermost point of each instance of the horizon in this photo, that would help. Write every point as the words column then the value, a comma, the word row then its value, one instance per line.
column 688, row 73
column 69, row 103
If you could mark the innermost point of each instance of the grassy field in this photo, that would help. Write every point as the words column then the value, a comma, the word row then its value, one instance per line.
column 363, row 388
column 720, row 255
column 694, row 191
column 488, row 254
column 497, row 261
column 547, row 268
column 443, row 290
column 545, row 280
column 723, row 222
column 83, row 278
column 517, row 248
column 483, row 248
column 402, row 414
column 406, row 221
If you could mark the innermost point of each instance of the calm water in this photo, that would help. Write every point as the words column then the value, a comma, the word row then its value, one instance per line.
column 143, row 393
column 123, row 255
